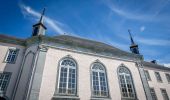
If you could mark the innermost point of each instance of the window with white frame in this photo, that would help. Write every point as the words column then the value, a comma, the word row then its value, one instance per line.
column 147, row 75
column 164, row 94
column 67, row 81
column 153, row 94
column 168, row 77
column 158, row 76
column 99, row 81
column 11, row 55
column 4, row 80
column 126, row 83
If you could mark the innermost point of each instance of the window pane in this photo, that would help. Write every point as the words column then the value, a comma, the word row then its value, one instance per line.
column 153, row 94
column 11, row 55
column 103, row 84
column 168, row 77
column 147, row 75
column 164, row 94
column 158, row 77
column 4, row 79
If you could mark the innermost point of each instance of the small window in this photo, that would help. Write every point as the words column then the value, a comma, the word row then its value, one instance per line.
column 158, row 77
column 168, row 77
column 147, row 75
column 153, row 94
column 4, row 80
column 11, row 56
column 164, row 94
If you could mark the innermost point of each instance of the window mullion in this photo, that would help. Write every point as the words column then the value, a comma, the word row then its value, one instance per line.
column 67, row 79
column 59, row 79
column 126, row 84
column 7, row 55
column 11, row 56
column 99, row 82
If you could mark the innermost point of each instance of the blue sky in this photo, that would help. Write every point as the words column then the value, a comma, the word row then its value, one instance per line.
column 102, row 20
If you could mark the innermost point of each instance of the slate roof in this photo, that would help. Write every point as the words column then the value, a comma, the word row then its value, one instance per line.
column 96, row 46
column 11, row 39
column 156, row 66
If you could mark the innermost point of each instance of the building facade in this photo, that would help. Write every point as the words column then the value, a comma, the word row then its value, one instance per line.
column 72, row 68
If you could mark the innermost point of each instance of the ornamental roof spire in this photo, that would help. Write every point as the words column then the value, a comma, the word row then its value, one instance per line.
column 42, row 16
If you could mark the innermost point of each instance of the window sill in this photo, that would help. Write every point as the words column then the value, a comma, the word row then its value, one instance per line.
column 159, row 81
column 93, row 98
column 65, row 97
column 129, row 99
column 9, row 62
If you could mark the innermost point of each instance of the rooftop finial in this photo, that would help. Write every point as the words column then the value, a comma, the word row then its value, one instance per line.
column 132, row 42
column 42, row 15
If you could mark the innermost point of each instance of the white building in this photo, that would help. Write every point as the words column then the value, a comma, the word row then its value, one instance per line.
column 71, row 68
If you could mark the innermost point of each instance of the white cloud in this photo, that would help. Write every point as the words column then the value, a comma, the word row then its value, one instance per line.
column 150, row 15
column 147, row 41
column 124, row 13
column 142, row 28
column 53, row 24
column 155, row 42
column 167, row 65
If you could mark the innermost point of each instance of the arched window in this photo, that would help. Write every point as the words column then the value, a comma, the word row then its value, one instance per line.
column 126, row 83
column 99, row 81
column 67, row 80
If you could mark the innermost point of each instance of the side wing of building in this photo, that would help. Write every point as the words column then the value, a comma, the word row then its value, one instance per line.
column 11, row 54
column 158, row 79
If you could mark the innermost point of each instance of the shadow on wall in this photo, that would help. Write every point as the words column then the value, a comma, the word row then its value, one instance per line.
column 2, row 98
column 14, row 70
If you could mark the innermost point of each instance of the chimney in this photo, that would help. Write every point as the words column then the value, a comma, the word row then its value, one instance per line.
column 154, row 61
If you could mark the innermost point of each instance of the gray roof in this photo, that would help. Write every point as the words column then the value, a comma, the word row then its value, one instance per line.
column 75, row 43
column 97, row 47
column 154, row 65
column 11, row 39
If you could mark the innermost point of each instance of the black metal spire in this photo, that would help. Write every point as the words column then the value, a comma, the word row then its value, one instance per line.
column 134, row 47
column 132, row 41
column 42, row 15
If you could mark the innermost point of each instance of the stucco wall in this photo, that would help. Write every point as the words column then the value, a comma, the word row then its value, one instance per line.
column 158, row 85
column 7, row 67
column 84, row 87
